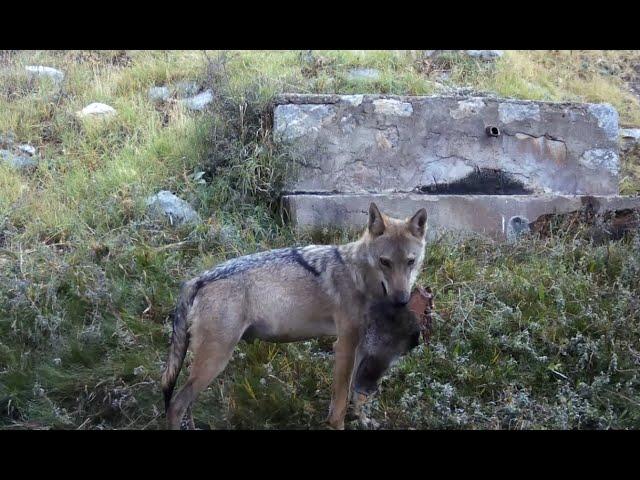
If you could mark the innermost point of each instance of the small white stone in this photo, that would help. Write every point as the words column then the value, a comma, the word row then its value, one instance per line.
column 37, row 70
column 486, row 55
column 368, row 74
column 19, row 162
column 158, row 94
column 198, row 102
column 28, row 149
column 630, row 134
column 96, row 110
column 167, row 205
column 186, row 89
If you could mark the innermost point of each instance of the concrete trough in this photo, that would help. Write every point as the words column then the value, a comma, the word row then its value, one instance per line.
column 477, row 164
column 489, row 215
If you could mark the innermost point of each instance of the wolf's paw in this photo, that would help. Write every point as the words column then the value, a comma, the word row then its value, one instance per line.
column 187, row 422
column 334, row 424
column 352, row 416
column 368, row 423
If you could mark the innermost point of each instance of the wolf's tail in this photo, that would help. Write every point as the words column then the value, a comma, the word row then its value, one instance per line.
column 179, row 340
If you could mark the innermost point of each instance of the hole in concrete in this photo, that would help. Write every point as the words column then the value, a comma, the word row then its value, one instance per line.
column 492, row 131
column 483, row 181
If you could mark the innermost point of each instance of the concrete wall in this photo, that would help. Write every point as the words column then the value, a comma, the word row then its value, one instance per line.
column 378, row 143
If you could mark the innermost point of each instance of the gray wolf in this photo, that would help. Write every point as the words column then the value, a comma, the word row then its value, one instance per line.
column 288, row 295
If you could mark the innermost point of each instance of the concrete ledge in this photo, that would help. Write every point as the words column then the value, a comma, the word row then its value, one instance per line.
column 489, row 215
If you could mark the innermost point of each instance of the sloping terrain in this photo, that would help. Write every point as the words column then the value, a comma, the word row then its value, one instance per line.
column 541, row 333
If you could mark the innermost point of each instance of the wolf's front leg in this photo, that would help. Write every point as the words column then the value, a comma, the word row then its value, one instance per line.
column 345, row 354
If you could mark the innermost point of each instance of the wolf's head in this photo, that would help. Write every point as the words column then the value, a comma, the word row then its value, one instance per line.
column 395, row 251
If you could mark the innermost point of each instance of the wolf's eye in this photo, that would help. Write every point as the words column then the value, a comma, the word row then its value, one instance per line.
column 385, row 262
column 411, row 262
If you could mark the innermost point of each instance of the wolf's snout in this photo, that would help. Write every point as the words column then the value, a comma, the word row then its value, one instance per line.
column 402, row 298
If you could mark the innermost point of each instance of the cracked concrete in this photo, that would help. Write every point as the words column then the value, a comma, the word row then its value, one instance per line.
column 386, row 143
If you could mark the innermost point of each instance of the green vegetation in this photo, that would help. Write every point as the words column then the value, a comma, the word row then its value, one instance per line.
column 538, row 334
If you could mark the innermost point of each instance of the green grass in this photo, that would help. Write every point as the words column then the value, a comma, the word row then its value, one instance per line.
column 538, row 334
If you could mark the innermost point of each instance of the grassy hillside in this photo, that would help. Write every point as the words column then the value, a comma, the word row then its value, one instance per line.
column 539, row 334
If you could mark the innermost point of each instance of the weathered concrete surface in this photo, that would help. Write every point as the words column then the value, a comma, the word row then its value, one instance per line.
column 383, row 143
column 489, row 215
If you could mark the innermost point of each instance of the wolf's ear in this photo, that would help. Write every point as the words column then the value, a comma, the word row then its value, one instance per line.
column 418, row 223
column 376, row 222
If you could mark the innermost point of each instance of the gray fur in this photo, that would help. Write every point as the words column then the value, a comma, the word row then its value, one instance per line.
column 316, row 256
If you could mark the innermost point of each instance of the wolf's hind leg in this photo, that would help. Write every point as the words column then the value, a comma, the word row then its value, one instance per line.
column 209, row 361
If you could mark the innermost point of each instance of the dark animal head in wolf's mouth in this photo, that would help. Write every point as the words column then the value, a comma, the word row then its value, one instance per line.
column 390, row 332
